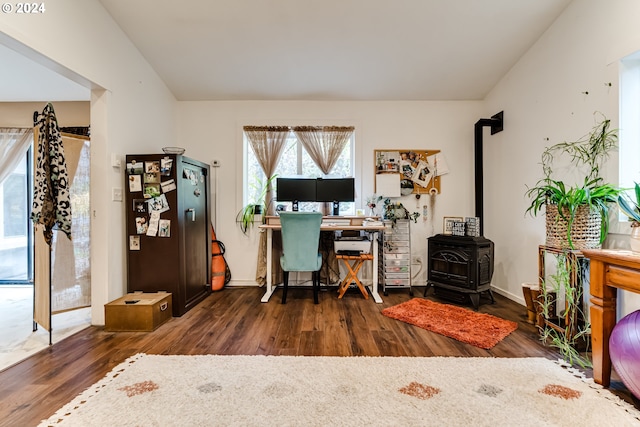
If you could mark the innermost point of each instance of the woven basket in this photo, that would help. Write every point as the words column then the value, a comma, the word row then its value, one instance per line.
column 585, row 230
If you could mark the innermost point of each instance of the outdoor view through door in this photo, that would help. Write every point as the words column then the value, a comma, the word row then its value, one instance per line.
column 15, row 230
column 71, row 284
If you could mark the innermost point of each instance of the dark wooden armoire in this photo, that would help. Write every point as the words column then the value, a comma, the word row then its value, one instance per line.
column 168, row 227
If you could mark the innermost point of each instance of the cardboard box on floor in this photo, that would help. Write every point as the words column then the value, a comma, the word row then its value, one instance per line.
column 138, row 311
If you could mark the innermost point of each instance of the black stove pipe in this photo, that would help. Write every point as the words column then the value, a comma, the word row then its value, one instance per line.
column 496, row 123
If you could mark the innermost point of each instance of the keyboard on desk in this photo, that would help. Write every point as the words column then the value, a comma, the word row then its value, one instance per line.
column 336, row 222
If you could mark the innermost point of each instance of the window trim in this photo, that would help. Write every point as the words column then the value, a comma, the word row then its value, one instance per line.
column 629, row 132
column 356, row 155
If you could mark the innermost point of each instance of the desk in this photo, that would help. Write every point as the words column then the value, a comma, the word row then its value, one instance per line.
column 610, row 270
column 275, row 225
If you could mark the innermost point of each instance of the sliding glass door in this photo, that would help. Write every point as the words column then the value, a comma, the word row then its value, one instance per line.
column 16, row 243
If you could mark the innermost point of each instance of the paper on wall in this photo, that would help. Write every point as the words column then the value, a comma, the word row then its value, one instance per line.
column 388, row 184
column 438, row 164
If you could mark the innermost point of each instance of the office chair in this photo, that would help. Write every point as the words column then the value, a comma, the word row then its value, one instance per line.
column 300, row 239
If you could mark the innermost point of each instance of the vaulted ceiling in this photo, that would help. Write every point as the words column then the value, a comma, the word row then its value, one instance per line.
column 333, row 49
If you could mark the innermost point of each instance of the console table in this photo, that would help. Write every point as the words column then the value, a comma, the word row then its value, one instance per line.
column 610, row 270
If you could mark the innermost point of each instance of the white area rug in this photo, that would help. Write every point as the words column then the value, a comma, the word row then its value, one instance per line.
column 149, row 390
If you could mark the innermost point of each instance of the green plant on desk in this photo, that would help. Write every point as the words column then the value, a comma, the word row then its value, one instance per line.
column 576, row 329
column 396, row 210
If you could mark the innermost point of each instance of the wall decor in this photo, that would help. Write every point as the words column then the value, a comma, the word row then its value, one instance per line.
column 416, row 171
column 472, row 226
column 449, row 222
column 458, row 228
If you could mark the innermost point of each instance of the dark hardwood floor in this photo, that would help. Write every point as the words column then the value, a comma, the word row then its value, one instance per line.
column 234, row 321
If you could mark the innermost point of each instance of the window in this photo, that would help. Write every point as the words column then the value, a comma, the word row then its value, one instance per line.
column 629, row 152
column 295, row 161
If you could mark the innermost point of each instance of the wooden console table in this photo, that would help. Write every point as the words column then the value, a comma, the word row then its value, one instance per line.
column 610, row 270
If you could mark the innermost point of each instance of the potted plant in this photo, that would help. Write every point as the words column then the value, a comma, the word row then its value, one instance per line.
column 396, row 211
column 246, row 217
column 577, row 216
column 631, row 208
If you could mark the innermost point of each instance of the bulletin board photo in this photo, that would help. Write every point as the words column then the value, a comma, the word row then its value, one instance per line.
column 403, row 172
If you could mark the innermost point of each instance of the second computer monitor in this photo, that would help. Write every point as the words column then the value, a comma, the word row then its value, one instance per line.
column 335, row 190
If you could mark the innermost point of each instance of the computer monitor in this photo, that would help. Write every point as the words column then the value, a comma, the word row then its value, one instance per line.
column 335, row 190
column 295, row 190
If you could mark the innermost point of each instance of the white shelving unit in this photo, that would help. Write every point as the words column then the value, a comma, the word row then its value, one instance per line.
column 395, row 256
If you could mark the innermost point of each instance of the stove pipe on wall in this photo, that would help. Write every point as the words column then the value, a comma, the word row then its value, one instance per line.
column 496, row 124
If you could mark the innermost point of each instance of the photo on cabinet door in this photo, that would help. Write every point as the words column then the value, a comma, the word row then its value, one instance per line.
column 134, row 243
column 159, row 204
column 152, row 177
column 168, row 185
column 135, row 183
column 141, row 225
column 152, row 230
column 164, row 228
column 151, row 190
column 140, row 205
column 135, row 168
column 153, row 166
column 165, row 166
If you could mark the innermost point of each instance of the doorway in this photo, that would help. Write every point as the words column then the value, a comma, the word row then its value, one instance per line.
column 70, row 273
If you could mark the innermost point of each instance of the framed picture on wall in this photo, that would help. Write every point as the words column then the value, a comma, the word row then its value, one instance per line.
column 447, row 224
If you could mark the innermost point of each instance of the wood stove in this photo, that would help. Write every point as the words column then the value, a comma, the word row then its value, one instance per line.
column 460, row 266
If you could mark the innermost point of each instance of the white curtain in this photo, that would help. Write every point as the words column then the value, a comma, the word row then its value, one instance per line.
column 267, row 143
column 324, row 143
column 14, row 143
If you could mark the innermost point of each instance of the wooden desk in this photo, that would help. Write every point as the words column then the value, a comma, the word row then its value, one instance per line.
column 610, row 270
column 275, row 225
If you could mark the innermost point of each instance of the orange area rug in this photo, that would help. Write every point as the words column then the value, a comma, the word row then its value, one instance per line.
column 478, row 329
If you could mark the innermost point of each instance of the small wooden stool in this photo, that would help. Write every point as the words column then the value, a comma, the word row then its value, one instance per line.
column 352, row 272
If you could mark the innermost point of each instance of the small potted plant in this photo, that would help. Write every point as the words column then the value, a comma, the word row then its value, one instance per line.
column 246, row 217
column 631, row 208
column 395, row 211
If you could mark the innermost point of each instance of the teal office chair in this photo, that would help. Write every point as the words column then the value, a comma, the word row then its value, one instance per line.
column 300, row 240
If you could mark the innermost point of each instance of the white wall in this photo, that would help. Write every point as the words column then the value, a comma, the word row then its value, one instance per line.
column 130, row 107
column 545, row 102
column 68, row 113
column 213, row 130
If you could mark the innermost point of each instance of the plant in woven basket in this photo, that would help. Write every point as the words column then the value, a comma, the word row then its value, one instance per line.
column 571, row 209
